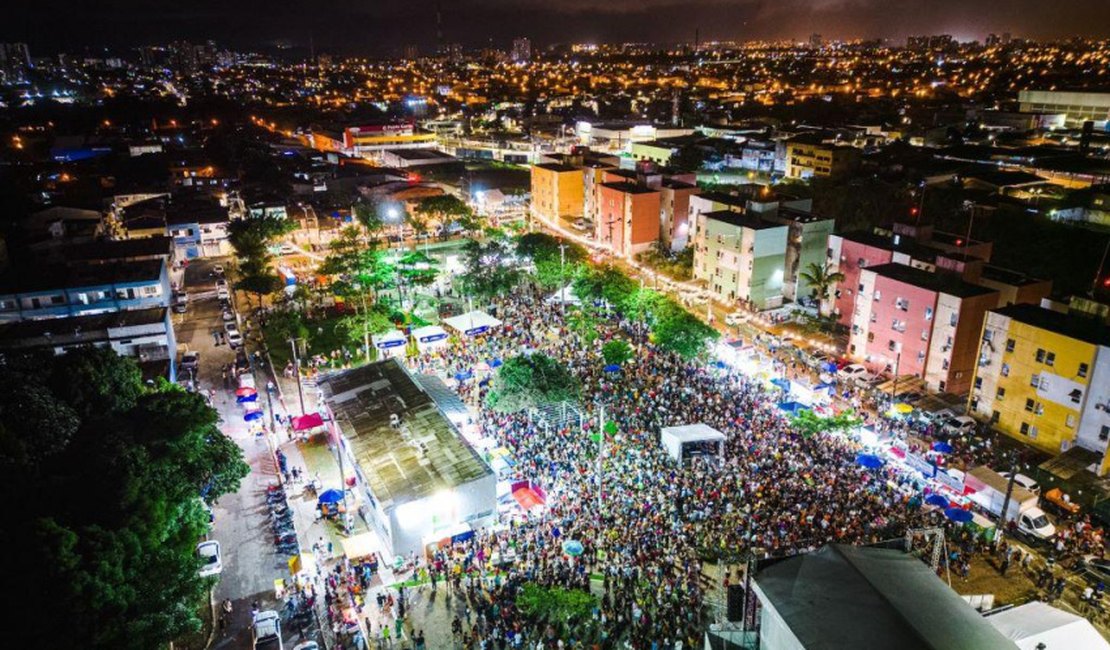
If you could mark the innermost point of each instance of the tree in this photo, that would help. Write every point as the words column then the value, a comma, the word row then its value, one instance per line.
column 583, row 321
column 679, row 331
column 605, row 282
column 807, row 423
column 556, row 260
column 105, row 524
column 616, row 352
column 258, row 277
column 688, row 158
column 491, row 269
column 821, row 279
column 445, row 209
column 528, row 381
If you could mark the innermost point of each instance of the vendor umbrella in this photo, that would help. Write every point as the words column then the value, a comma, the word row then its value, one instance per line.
column 251, row 416
column 870, row 461
column 942, row 447
column 936, row 500
column 901, row 409
column 331, row 496
column 246, row 399
column 958, row 515
column 612, row 367
column 573, row 547
column 245, row 390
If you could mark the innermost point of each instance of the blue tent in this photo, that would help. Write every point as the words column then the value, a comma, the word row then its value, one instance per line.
column 331, row 496
column 829, row 367
column 612, row 367
column 720, row 364
column 958, row 515
column 870, row 461
column 936, row 500
column 781, row 383
column 243, row 399
column 494, row 363
column 251, row 416
column 793, row 407
column 463, row 375
column 942, row 447
column 824, row 386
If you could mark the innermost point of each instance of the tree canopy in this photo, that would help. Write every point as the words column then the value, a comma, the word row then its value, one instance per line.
column 491, row 269
column 557, row 261
column 105, row 479
column 530, row 380
column 677, row 330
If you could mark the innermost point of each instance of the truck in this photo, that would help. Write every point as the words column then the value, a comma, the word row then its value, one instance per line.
column 266, row 631
column 988, row 490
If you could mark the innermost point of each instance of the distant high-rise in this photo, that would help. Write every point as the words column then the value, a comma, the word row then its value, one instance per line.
column 815, row 41
column 15, row 62
column 411, row 52
column 1006, row 38
column 992, row 40
column 934, row 42
column 522, row 50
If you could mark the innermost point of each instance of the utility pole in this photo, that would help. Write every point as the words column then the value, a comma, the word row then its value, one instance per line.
column 563, row 278
column 1006, row 501
column 297, row 370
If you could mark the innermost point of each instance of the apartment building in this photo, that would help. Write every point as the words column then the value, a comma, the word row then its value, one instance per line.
column 1043, row 377
column 557, row 191
column 909, row 321
column 808, row 157
column 741, row 257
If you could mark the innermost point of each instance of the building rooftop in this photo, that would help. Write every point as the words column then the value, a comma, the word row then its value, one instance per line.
column 1007, row 276
column 630, row 188
column 74, row 277
column 420, row 154
column 727, row 199
column 941, row 282
column 421, row 457
column 75, row 330
column 1072, row 325
column 742, row 220
column 558, row 168
column 857, row 597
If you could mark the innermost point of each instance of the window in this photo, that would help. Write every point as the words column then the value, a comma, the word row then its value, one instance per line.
column 1039, row 410
column 953, row 319
column 1040, row 355
column 1104, row 433
column 1010, row 343
column 1035, row 381
column 1033, row 432
column 921, row 356
column 928, row 313
column 978, row 382
column 1005, row 370
column 891, row 345
column 1083, row 370
column 1050, row 358
column 1000, row 394
column 898, row 325
column 995, row 415
column 988, row 335
column 1070, row 422
column 878, row 294
column 1024, row 428
column 902, row 303
column 1030, row 405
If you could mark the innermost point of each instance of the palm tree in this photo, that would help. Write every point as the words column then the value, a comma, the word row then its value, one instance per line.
column 821, row 279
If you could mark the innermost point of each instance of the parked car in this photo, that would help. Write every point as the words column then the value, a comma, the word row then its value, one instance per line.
column 1024, row 481
column 218, row 270
column 223, row 294
column 228, row 315
column 288, row 249
column 960, row 424
column 181, row 303
column 231, row 326
column 581, row 224
column 854, row 372
column 221, row 283
column 735, row 318
column 190, row 360
column 266, row 631
column 1095, row 568
column 234, row 339
column 211, row 558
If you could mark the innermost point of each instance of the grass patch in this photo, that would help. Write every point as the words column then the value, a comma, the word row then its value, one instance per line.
column 321, row 335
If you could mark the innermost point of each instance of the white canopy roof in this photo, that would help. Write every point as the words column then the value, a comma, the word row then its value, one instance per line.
column 566, row 294
column 429, row 334
column 390, row 339
column 1035, row 623
column 472, row 323
column 692, row 433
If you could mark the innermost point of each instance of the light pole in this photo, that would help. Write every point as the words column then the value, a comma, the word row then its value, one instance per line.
column 297, row 370
column 894, row 382
column 562, row 278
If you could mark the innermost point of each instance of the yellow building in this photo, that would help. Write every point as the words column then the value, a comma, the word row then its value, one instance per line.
column 806, row 158
column 1043, row 377
column 557, row 191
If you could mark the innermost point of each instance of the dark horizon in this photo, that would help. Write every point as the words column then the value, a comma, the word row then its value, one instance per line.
column 349, row 27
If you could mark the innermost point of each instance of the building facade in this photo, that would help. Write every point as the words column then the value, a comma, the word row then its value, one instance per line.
column 741, row 257
column 557, row 191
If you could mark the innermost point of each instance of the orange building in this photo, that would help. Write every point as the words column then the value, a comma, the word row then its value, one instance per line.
column 557, row 191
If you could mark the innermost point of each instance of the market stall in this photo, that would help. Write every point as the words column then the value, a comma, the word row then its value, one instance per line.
column 391, row 344
column 430, row 337
column 472, row 323
column 693, row 440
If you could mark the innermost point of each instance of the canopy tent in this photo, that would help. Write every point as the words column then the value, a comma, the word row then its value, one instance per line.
column 307, row 421
column 430, row 337
column 1036, row 623
column 564, row 296
column 792, row 408
column 683, row 442
column 528, row 495
column 472, row 323
column 391, row 343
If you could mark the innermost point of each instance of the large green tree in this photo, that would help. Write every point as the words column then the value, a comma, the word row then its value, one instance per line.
column 492, row 269
column 679, row 331
column 605, row 282
column 821, row 279
column 531, row 380
column 104, row 515
column 556, row 260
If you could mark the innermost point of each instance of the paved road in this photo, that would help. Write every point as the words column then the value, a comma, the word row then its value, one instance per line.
column 242, row 519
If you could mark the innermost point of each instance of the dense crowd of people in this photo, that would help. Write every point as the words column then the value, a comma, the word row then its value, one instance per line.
column 645, row 522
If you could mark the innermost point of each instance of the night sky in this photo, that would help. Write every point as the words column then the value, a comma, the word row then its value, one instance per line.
column 380, row 26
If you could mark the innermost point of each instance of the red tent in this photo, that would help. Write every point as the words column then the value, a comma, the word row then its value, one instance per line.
column 307, row 421
column 527, row 495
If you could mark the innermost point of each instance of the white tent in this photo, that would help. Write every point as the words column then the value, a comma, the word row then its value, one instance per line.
column 1036, row 623
column 564, row 295
column 472, row 323
column 390, row 344
column 683, row 441
column 430, row 337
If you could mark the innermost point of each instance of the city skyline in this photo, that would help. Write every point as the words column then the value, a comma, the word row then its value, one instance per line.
column 356, row 28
